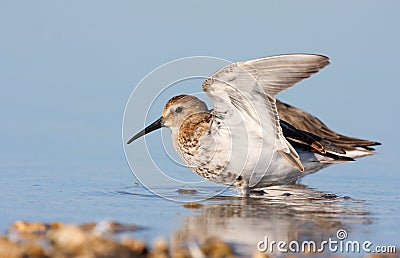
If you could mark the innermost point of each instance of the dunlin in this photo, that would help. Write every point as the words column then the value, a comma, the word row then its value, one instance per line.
column 250, row 139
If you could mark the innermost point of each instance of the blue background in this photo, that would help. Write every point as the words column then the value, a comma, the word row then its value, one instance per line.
column 67, row 69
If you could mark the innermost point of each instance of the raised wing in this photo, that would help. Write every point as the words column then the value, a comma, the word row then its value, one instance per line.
column 250, row 88
column 277, row 73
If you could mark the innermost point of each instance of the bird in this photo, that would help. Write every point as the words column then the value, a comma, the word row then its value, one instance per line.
column 250, row 139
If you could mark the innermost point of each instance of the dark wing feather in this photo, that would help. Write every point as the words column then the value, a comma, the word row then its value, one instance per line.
column 313, row 143
column 306, row 122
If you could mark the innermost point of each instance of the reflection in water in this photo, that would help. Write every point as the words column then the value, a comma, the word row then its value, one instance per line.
column 283, row 213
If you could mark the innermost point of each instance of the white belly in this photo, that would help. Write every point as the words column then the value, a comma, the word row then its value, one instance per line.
column 244, row 157
column 252, row 164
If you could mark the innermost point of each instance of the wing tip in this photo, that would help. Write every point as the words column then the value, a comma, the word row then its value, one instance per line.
column 293, row 159
column 322, row 57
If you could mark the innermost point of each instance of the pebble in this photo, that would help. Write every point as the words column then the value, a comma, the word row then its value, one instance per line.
column 47, row 240
column 192, row 205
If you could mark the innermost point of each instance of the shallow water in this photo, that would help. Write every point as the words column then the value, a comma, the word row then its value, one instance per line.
column 362, row 202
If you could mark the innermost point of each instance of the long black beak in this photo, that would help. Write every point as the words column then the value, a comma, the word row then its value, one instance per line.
column 154, row 126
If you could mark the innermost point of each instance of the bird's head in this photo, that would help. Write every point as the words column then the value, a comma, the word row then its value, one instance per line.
column 176, row 110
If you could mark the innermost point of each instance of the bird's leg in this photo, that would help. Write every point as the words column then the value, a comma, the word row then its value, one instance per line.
column 243, row 186
column 244, row 189
column 244, row 192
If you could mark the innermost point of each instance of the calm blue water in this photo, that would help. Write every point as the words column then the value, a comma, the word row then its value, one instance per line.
column 366, row 205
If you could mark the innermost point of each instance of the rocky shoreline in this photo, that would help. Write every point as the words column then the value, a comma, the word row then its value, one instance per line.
column 93, row 240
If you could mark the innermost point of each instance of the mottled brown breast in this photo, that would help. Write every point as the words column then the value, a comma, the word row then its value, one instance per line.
column 192, row 128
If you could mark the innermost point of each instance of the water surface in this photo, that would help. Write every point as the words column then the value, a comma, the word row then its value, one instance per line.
column 314, row 210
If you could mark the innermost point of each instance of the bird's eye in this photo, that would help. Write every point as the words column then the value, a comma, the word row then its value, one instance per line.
column 178, row 109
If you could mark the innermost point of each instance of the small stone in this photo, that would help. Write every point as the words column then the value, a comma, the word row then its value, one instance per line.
column 87, row 226
column 160, row 248
column 72, row 241
column 56, row 225
column 214, row 247
column 10, row 249
column 136, row 246
column 258, row 254
column 69, row 237
column 193, row 205
column 181, row 253
column 329, row 196
column 26, row 227
column 33, row 251
column 186, row 191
